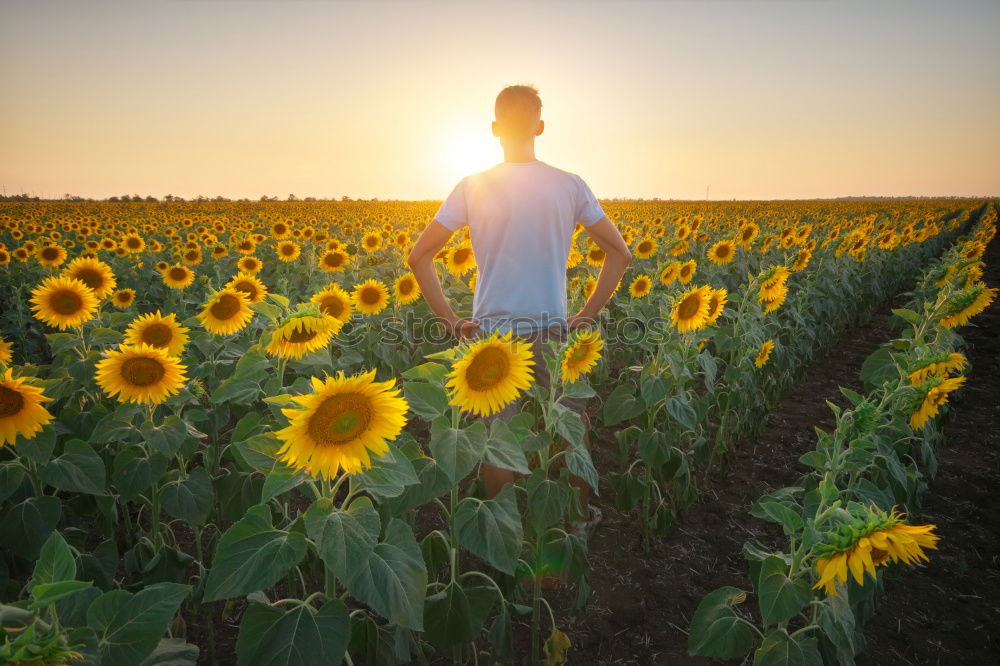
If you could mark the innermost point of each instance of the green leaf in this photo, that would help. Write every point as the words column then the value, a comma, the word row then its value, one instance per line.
column 716, row 631
column 432, row 483
column 491, row 529
column 189, row 499
column 777, row 512
column 49, row 593
column 622, row 405
column 780, row 649
column 243, row 386
column 172, row 652
column 683, row 412
column 780, row 597
column 428, row 372
column 55, row 562
column 11, row 476
column 503, row 449
column 393, row 579
column 78, row 470
column 448, row 618
column 908, row 315
column 456, row 450
column 25, row 526
column 105, row 336
column 252, row 555
column 428, row 401
column 566, row 423
column 344, row 539
column 579, row 462
column 134, row 471
column 547, row 502
column 167, row 437
column 130, row 626
column 300, row 636
column 578, row 390
column 837, row 621
column 389, row 475
column 259, row 451
column 280, row 479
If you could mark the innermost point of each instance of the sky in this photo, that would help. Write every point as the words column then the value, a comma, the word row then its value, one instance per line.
column 671, row 99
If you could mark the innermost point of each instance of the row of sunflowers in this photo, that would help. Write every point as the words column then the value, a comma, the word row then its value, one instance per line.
column 251, row 403
column 841, row 519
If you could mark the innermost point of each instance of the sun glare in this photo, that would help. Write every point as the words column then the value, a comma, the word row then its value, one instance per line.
column 465, row 148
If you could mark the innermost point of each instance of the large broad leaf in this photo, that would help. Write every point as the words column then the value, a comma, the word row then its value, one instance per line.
column 78, row 470
column 780, row 649
column 503, row 449
column 547, row 501
column 779, row 596
column 280, row 479
column 580, row 463
column 243, row 386
column 716, row 631
column 450, row 615
column 252, row 555
column 26, row 526
column 344, row 539
column 457, row 450
column 49, row 593
column 429, row 401
column 11, row 476
column 491, row 529
column 172, row 652
column 432, row 483
column 780, row 513
column 566, row 423
column 189, row 499
column 130, row 626
column 135, row 471
column 622, row 405
column 296, row 637
column 393, row 579
column 55, row 562
column 389, row 475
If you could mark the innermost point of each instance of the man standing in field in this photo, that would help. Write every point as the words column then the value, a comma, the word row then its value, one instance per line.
column 521, row 216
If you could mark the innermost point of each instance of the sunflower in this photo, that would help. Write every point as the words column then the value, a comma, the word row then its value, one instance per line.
column 640, row 286
column 938, row 366
column 249, row 285
column 595, row 256
column 51, row 256
column 490, row 374
column 4, row 257
column 583, row 351
column 95, row 274
column 933, row 393
column 133, row 243
column 343, row 422
column 63, row 302
column 773, row 291
column 716, row 304
column 460, row 260
column 21, row 410
column 686, row 271
column 871, row 541
column 764, row 353
column 178, row 276
column 123, row 298
column 722, row 252
column 6, row 351
column 140, row 374
column 335, row 302
column 288, row 250
column 645, row 248
column 370, row 297
column 407, row 290
column 747, row 235
column 250, row 265
column 966, row 304
column 588, row 286
column 227, row 312
column 302, row 333
column 690, row 312
column 574, row 258
column 157, row 331
column 371, row 242
column 333, row 261
column 802, row 259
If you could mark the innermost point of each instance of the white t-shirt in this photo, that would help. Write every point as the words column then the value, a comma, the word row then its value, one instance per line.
column 521, row 217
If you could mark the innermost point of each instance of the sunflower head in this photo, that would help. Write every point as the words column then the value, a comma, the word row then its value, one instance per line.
column 157, row 331
column 963, row 305
column 305, row 331
column 460, row 260
column 406, row 288
column 335, row 302
column 123, row 298
column 690, row 311
column 249, row 284
column 140, row 374
column 227, row 312
column 370, row 297
column 21, row 410
column 490, row 373
column 178, row 276
column 94, row 273
column 764, row 353
column 63, row 302
column 640, row 286
column 582, row 352
column 722, row 252
column 930, row 395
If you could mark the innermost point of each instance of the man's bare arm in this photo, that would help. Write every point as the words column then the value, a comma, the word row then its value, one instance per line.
column 421, row 261
column 617, row 257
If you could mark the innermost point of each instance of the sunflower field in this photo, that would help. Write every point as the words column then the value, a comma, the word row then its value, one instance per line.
column 244, row 414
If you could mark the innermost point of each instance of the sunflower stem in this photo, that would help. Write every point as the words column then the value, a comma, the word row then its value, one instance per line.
column 281, row 373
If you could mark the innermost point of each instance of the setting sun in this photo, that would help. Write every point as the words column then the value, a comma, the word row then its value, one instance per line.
column 465, row 147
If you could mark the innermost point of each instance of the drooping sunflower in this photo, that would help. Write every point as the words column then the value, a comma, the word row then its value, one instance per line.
column 123, row 298
column 21, row 410
column 406, row 288
column 343, row 422
column 51, row 255
column 722, row 252
column 870, row 541
column 764, row 353
column 288, row 250
column 302, row 333
column 583, row 351
column 490, row 374
column 94, row 273
column 227, row 312
column 939, row 366
column 966, row 304
column 686, row 271
column 460, row 260
column 931, row 395
column 63, row 302
column 640, row 286
column 158, row 331
column 333, row 261
column 178, row 276
column 773, row 289
column 690, row 311
column 370, row 297
column 802, row 259
column 670, row 272
column 335, row 302
column 716, row 304
column 6, row 351
column 140, row 374
column 249, row 285
column 645, row 248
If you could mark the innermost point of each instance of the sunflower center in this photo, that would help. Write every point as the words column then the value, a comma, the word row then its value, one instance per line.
column 578, row 354
column 157, row 334
column 722, row 252
column 288, row 249
column 644, row 246
column 90, row 277
column 178, row 274
column 370, row 295
column 332, row 306
column 142, row 371
column 132, row 242
column 247, row 288
column 300, row 334
column 461, row 255
column 405, row 287
column 226, row 307
column 490, row 367
column 340, row 419
column 689, row 306
column 66, row 302
column 50, row 253
column 191, row 256
column 686, row 271
column 713, row 306
column 11, row 402
column 333, row 259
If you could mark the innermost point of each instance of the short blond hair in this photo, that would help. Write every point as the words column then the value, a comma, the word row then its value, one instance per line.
column 518, row 109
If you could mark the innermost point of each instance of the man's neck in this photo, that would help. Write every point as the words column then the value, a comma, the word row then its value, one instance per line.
column 519, row 152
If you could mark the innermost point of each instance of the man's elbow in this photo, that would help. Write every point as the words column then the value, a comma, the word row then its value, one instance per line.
column 412, row 260
column 626, row 256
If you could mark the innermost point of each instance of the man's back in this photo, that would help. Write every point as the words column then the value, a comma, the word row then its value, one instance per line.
column 521, row 217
